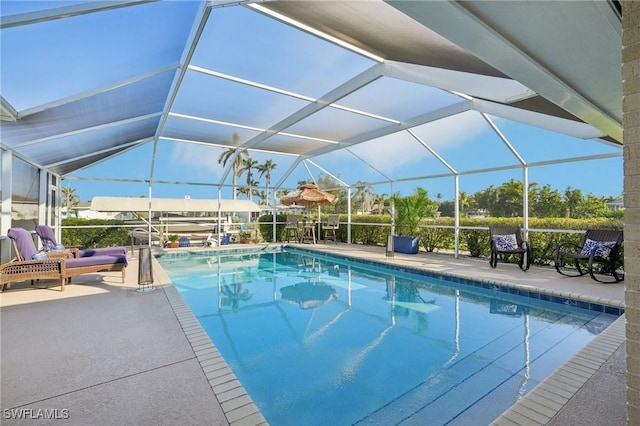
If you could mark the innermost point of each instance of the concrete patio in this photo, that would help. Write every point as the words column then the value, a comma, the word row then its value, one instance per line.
column 103, row 353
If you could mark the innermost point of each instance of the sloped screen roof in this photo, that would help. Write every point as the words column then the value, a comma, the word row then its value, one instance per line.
column 321, row 86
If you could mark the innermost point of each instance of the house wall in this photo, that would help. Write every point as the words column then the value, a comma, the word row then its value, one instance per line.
column 631, row 124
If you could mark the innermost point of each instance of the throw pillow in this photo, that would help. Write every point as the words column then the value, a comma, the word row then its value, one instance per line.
column 506, row 242
column 602, row 248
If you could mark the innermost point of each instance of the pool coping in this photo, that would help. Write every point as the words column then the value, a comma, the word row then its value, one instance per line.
column 538, row 406
column 610, row 306
column 236, row 403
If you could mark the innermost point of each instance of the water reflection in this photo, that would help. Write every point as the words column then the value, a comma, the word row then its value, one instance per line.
column 502, row 307
column 233, row 294
column 309, row 295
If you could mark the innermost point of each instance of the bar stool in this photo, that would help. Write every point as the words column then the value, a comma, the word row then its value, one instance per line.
column 291, row 228
column 308, row 231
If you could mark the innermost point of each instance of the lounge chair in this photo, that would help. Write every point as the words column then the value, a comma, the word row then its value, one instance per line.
column 28, row 264
column 508, row 241
column 48, row 239
column 599, row 250
column 330, row 227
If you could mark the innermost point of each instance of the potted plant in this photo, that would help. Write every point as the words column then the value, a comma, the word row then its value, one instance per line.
column 173, row 241
column 245, row 237
column 410, row 211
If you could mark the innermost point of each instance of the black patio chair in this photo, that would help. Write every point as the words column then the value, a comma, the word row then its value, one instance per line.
column 598, row 253
column 508, row 241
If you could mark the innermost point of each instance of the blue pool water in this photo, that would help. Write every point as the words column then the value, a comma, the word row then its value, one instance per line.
column 317, row 340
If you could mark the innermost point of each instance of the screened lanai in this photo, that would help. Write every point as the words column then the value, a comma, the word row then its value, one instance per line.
column 140, row 98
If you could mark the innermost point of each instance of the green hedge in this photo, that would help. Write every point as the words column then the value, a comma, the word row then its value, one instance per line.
column 265, row 225
column 107, row 233
column 543, row 244
column 435, row 234
column 438, row 234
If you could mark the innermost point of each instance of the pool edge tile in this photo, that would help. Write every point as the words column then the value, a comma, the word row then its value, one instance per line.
column 557, row 382
column 236, row 403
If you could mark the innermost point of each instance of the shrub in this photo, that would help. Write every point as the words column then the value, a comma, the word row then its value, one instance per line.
column 105, row 233
column 265, row 225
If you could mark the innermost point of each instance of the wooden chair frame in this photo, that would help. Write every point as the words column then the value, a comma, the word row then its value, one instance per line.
column 292, row 227
column 330, row 227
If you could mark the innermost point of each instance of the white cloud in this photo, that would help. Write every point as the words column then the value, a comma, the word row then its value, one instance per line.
column 200, row 160
column 451, row 132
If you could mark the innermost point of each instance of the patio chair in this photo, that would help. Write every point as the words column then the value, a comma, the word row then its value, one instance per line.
column 29, row 262
column 291, row 227
column 48, row 239
column 508, row 241
column 598, row 253
column 330, row 227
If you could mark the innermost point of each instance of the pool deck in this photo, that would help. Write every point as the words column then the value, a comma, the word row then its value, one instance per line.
column 104, row 353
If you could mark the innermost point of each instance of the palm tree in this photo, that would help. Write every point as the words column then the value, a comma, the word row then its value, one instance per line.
column 379, row 200
column 244, row 189
column 237, row 164
column 572, row 197
column 265, row 170
column 262, row 195
column 362, row 195
column 248, row 165
column 411, row 209
column 71, row 199
column 464, row 202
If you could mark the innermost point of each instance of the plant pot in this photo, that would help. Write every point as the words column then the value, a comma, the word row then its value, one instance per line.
column 173, row 244
column 408, row 245
column 245, row 241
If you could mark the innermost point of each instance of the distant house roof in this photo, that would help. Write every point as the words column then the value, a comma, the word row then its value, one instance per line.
column 616, row 204
column 141, row 204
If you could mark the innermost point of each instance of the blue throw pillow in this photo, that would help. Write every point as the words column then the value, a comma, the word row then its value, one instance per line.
column 506, row 242
column 602, row 248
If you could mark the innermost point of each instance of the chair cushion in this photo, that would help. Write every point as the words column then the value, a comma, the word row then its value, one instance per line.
column 506, row 242
column 82, row 262
column 602, row 248
column 103, row 251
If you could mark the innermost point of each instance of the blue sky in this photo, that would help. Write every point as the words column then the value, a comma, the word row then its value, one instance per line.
column 241, row 42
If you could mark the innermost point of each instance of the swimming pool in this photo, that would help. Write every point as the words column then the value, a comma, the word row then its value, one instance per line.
column 318, row 340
